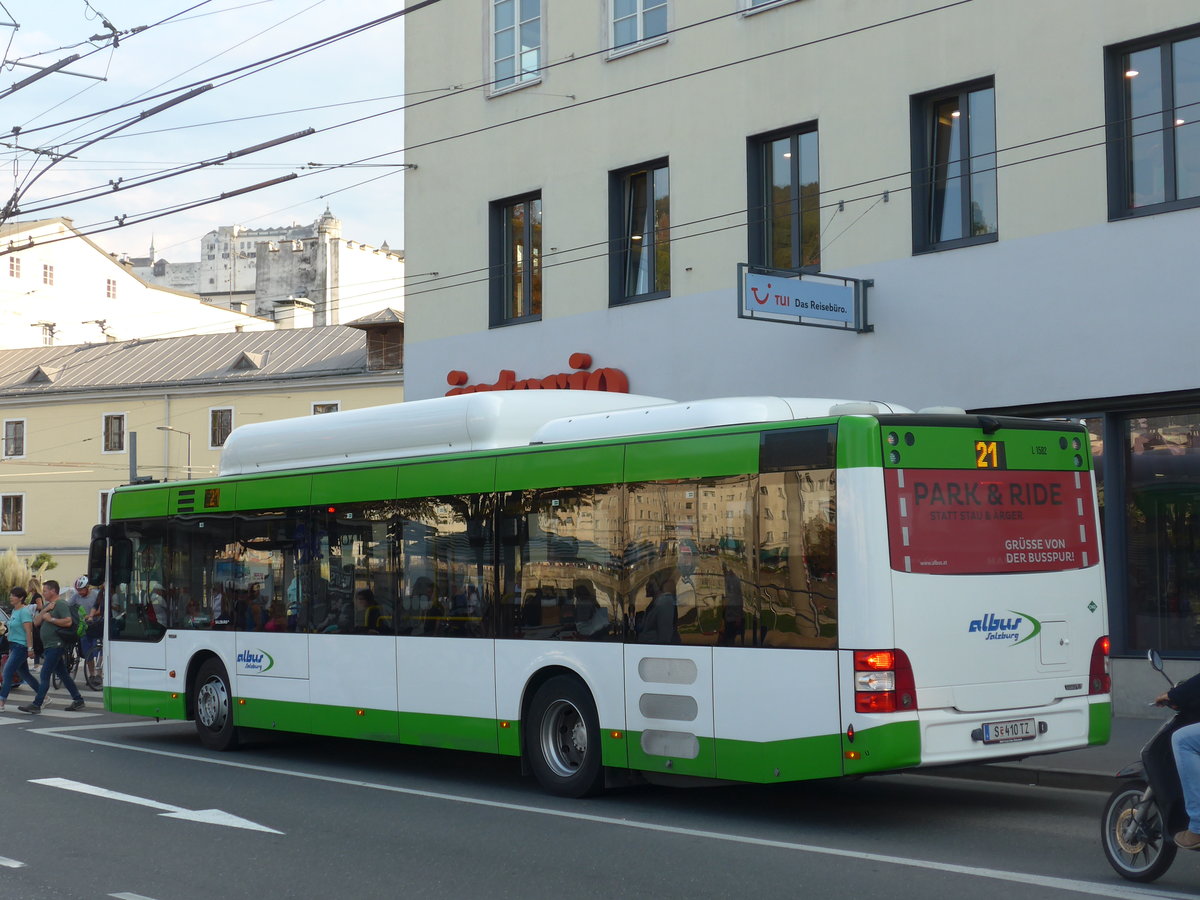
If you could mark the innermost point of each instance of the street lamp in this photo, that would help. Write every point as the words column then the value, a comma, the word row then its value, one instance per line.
column 186, row 434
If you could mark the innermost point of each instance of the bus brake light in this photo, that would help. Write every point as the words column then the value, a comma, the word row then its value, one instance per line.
column 883, row 682
column 1099, row 679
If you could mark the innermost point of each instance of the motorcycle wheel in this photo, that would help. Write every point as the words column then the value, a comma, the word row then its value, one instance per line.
column 1137, row 852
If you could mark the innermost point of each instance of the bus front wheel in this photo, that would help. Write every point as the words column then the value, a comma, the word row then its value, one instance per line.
column 212, row 702
column 562, row 740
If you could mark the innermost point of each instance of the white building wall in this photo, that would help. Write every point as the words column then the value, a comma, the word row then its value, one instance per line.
column 81, row 296
column 1040, row 315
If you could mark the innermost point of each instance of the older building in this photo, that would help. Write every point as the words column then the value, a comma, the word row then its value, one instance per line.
column 257, row 269
column 58, row 287
column 79, row 420
column 990, row 205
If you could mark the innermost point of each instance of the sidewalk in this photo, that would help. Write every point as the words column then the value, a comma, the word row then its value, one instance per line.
column 1090, row 769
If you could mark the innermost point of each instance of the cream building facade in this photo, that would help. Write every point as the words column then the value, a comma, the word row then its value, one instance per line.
column 80, row 420
column 1015, row 185
column 57, row 287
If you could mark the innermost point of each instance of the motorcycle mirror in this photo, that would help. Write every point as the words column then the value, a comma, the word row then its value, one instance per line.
column 1155, row 659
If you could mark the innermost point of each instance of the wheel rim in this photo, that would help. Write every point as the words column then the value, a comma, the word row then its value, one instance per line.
column 1135, row 846
column 212, row 704
column 564, row 738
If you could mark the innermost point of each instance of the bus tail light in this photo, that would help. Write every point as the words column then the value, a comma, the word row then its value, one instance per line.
column 1099, row 679
column 883, row 682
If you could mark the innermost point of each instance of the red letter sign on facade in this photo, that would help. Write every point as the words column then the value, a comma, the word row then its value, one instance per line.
column 614, row 381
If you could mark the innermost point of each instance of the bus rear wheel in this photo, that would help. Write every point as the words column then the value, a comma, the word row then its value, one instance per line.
column 212, row 702
column 562, row 741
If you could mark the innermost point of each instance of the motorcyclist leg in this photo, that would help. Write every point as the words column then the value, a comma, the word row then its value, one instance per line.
column 1186, row 745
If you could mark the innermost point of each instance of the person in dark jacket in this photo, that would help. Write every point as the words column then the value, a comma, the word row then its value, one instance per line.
column 1186, row 744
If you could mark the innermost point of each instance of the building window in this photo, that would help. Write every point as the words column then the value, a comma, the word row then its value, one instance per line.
column 319, row 409
column 954, row 167
column 47, row 274
column 103, row 516
column 12, row 513
column 516, row 42
column 640, row 267
column 1154, row 130
column 385, row 347
column 14, row 267
column 516, row 283
column 110, row 289
column 114, row 433
column 14, row 438
column 220, row 424
column 785, row 199
column 635, row 21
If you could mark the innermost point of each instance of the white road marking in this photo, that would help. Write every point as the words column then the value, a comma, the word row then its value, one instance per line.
column 207, row 816
column 126, row 895
column 11, row 863
column 1091, row 888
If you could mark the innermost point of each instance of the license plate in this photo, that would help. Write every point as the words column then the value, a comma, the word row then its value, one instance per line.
column 1015, row 730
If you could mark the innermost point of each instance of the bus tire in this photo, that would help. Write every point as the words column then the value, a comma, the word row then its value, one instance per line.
column 562, row 742
column 212, row 702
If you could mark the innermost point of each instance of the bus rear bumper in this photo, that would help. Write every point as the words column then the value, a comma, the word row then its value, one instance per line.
column 950, row 737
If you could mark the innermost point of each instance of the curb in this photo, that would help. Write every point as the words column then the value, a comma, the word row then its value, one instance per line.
column 1015, row 774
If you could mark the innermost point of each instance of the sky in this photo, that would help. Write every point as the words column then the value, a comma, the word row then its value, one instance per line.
column 360, row 77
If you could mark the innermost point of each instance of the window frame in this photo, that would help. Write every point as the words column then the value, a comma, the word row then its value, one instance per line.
column 923, row 182
column 4, row 449
column 750, row 7
column 1118, row 118
column 110, row 288
column 212, row 411
column 621, row 235
column 115, row 417
column 639, row 17
column 48, row 274
column 758, row 230
column 337, row 407
column 519, row 78
column 500, row 286
column 18, row 496
column 14, row 267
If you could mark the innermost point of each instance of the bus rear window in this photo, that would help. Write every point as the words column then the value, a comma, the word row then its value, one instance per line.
column 964, row 522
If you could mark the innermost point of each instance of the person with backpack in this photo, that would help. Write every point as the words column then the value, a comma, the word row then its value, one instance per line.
column 55, row 614
column 20, row 644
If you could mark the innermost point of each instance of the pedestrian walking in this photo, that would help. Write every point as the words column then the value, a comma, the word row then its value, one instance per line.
column 53, row 615
column 20, row 644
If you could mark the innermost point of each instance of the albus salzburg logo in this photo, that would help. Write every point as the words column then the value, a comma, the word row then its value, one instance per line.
column 259, row 660
column 999, row 628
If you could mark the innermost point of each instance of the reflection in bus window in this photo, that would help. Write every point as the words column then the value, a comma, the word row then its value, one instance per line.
column 796, row 592
column 561, row 566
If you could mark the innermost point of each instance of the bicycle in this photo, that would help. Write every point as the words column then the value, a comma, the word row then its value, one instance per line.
column 70, row 658
column 93, row 666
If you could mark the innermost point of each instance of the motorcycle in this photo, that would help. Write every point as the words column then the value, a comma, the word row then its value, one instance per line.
column 1142, row 816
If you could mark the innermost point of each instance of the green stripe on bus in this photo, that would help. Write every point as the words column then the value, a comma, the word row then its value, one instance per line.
column 354, row 485
column 433, row 479
column 858, row 443
column 883, row 748
column 560, row 468
column 274, row 493
column 134, row 503
column 1099, row 723
column 692, row 457
column 136, row 702
column 771, row 761
column 1031, row 450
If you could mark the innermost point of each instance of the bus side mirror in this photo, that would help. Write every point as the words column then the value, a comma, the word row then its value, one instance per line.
column 122, row 561
column 95, row 563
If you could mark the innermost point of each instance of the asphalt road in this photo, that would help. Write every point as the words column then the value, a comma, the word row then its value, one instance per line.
column 100, row 805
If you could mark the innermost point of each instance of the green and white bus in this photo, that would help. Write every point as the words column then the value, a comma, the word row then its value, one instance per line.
column 754, row 589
